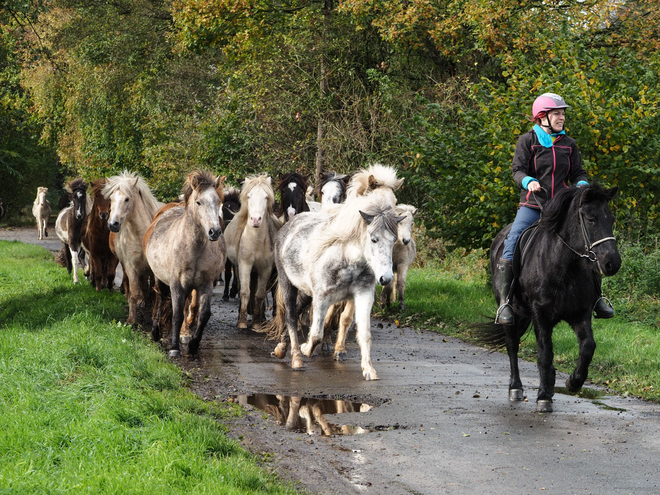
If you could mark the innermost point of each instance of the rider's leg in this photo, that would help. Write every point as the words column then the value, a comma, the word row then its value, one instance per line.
column 524, row 218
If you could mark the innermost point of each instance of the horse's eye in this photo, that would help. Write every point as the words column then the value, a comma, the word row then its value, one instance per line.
column 374, row 240
column 126, row 200
column 199, row 203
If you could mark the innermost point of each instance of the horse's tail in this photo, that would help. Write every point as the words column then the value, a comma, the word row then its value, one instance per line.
column 489, row 334
column 275, row 327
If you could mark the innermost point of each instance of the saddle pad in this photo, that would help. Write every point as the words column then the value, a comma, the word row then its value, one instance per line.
column 524, row 241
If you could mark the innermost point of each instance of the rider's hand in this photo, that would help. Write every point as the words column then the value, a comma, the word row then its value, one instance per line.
column 534, row 186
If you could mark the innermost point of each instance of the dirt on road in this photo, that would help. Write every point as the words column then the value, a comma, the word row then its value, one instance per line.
column 438, row 420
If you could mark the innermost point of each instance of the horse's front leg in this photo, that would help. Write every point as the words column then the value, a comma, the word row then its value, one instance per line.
column 345, row 322
column 512, row 334
column 585, row 336
column 544, row 358
column 178, row 302
column 363, row 304
column 319, row 310
column 290, row 298
column 244, row 271
column 190, row 310
column 74, row 264
column 203, row 311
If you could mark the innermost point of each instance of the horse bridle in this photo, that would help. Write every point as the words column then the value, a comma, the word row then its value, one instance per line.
column 588, row 246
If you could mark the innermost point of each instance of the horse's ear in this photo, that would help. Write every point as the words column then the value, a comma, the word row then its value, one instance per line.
column 137, row 179
column 612, row 192
column 398, row 184
column 373, row 183
column 220, row 181
column 414, row 211
column 367, row 218
column 400, row 219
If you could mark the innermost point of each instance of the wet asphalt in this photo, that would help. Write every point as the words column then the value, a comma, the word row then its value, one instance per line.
column 439, row 419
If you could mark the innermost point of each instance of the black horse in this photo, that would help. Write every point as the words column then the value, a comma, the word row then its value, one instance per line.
column 558, row 265
column 230, row 206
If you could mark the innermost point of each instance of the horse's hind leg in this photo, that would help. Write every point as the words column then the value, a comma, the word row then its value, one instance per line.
column 202, row 304
column 345, row 321
column 290, row 299
column 585, row 336
column 178, row 300
column 228, row 280
column 512, row 335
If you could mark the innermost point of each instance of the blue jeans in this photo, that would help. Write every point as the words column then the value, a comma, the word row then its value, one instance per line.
column 524, row 218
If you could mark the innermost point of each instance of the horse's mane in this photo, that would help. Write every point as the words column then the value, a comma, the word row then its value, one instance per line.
column 76, row 184
column 287, row 178
column 374, row 177
column 346, row 223
column 248, row 185
column 126, row 182
column 555, row 211
column 96, row 187
column 201, row 180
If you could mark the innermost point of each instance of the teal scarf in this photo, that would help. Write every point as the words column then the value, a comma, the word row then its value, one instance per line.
column 544, row 138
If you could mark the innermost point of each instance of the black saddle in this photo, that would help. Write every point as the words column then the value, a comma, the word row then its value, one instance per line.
column 522, row 247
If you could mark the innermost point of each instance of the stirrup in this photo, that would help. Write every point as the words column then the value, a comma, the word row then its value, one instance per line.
column 605, row 311
column 500, row 310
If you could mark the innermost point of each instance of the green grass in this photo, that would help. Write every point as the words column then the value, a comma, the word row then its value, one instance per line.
column 450, row 297
column 90, row 405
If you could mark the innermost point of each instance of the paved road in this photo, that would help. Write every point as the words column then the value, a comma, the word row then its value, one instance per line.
column 441, row 421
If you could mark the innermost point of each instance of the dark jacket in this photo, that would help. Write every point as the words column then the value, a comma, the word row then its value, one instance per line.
column 554, row 167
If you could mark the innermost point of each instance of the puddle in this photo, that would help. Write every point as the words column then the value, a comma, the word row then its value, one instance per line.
column 591, row 394
column 306, row 415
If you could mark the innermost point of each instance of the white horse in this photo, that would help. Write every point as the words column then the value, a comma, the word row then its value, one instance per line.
column 69, row 224
column 403, row 255
column 325, row 258
column 250, row 240
column 132, row 208
column 186, row 251
column 41, row 210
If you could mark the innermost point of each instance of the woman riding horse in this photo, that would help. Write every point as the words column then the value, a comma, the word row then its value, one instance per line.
column 545, row 159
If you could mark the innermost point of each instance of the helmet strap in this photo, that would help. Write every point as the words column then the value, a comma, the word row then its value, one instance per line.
column 548, row 126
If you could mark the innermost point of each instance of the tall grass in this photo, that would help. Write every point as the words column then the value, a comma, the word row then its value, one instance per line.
column 90, row 405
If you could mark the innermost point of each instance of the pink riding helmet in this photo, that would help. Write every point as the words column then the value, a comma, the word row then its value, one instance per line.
column 546, row 102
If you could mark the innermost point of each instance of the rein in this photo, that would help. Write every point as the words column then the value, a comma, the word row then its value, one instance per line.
column 588, row 246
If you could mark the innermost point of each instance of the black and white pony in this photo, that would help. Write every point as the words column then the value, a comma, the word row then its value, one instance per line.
column 292, row 188
column 325, row 258
column 69, row 226
column 558, row 268
column 331, row 189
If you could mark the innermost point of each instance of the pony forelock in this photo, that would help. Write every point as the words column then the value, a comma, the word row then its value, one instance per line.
column 128, row 183
column 249, row 184
column 203, row 180
column 374, row 177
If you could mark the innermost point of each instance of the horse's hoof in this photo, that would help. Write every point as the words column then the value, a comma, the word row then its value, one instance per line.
column 185, row 339
column 307, row 349
column 570, row 387
column 544, row 406
column 297, row 364
column 225, row 298
column 340, row 356
column 242, row 325
column 516, row 394
column 175, row 353
column 370, row 375
column 280, row 351
column 193, row 346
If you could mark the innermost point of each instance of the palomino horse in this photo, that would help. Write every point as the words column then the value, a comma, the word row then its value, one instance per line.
column 69, row 225
column 41, row 210
column 230, row 206
column 559, row 264
column 187, row 253
column 250, row 242
column 95, row 239
column 327, row 258
column 403, row 255
column 292, row 188
column 132, row 208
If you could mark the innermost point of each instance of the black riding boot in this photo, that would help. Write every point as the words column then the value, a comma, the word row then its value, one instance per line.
column 603, row 309
column 505, row 311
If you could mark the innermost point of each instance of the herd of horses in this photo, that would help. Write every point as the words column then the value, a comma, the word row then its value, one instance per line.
column 321, row 251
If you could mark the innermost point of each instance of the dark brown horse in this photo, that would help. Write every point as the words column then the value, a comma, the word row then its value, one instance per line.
column 95, row 239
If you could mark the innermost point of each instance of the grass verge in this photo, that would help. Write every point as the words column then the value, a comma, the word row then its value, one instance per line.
column 90, row 405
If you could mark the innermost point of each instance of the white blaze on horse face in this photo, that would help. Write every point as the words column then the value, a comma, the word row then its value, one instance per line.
column 257, row 206
column 120, row 207
column 378, row 253
column 291, row 211
column 79, row 212
column 208, row 211
column 330, row 194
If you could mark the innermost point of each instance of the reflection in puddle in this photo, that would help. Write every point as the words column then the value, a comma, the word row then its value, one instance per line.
column 306, row 415
column 584, row 393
